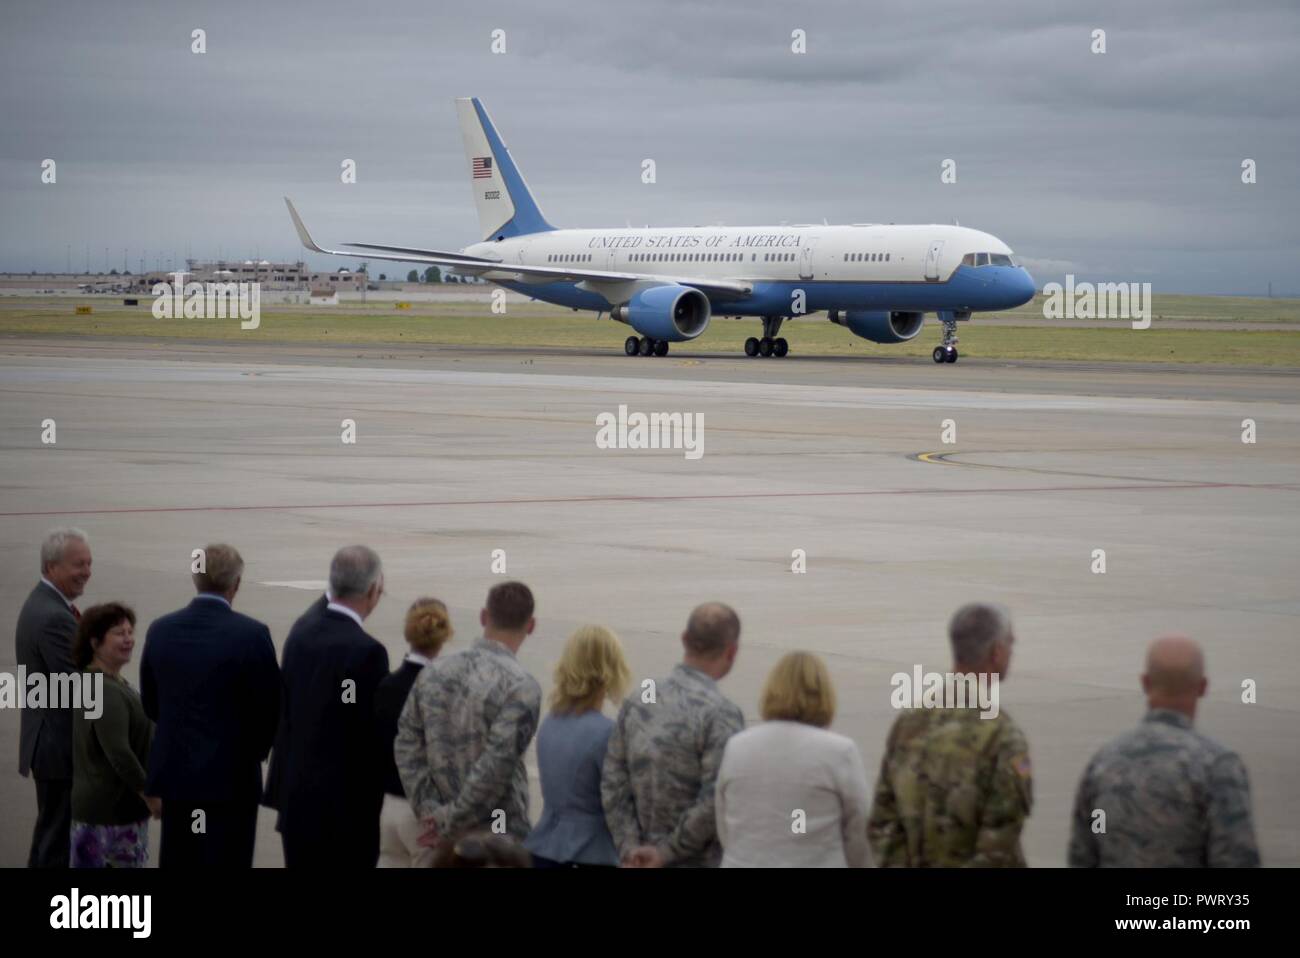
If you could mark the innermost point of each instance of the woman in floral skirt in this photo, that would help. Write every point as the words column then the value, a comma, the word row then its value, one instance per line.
column 110, row 750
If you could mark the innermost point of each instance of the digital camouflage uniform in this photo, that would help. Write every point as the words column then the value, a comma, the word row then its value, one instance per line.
column 461, row 739
column 662, row 766
column 1172, row 799
column 954, row 790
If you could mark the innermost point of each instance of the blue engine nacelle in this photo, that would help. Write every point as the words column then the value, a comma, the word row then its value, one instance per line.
column 671, row 313
column 879, row 326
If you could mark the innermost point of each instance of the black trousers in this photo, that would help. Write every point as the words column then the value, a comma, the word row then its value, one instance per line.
column 540, row 862
column 51, row 838
column 229, row 831
column 356, row 848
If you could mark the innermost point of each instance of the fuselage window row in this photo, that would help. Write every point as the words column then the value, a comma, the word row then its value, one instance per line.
column 866, row 257
column 683, row 257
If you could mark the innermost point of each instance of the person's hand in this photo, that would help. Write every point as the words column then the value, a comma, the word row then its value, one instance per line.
column 430, row 836
column 645, row 856
column 155, row 805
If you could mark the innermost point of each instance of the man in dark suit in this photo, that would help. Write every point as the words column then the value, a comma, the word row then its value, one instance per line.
column 209, row 678
column 43, row 646
column 275, row 773
column 331, row 790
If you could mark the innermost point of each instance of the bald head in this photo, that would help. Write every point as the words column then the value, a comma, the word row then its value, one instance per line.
column 712, row 638
column 1175, row 674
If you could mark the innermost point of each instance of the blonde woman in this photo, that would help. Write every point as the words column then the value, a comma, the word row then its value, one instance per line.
column 790, row 792
column 571, row 750
column 428, row 629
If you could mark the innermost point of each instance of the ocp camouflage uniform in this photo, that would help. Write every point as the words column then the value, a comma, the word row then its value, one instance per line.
column 1173, row 798
column 461, row 739
column 954, row 790
column 661, row 767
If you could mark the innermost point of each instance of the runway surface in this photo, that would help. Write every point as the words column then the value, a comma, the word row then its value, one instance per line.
column 163, row 447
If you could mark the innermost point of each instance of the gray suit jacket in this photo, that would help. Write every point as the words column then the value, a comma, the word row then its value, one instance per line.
column 43, row 643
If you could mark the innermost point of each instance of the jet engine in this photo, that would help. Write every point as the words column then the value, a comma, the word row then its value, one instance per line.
column 879, row 326
column 670, row 313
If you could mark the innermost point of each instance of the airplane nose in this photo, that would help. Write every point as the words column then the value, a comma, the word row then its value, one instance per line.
column 1023, row 286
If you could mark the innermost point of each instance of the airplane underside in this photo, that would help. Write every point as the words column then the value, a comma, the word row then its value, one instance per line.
column 884, row 312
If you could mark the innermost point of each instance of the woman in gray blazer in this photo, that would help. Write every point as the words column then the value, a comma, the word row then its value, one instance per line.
column 571, row 747
column 790, row 792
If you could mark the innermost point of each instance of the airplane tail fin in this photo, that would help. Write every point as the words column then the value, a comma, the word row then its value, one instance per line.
column 505, row 205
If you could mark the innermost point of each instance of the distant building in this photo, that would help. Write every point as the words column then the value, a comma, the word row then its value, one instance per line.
column 272, row 276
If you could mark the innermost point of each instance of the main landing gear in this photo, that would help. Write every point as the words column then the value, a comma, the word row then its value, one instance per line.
column 645, row 346
column 770, row 344
column 947, row 352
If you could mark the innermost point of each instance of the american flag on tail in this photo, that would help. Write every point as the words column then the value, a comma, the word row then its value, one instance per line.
column 482, row 166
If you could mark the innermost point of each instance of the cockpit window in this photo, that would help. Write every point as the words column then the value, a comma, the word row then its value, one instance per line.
column 988, row 259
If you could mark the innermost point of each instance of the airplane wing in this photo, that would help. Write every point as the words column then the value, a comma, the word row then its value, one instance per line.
column 597, row 280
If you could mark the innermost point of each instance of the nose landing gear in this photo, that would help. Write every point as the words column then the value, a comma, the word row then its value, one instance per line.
column 947, row 352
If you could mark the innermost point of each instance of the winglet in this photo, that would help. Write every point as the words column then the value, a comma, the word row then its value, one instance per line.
column 303, row 235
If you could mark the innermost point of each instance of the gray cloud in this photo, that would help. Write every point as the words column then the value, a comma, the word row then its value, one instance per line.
column 1127, row 162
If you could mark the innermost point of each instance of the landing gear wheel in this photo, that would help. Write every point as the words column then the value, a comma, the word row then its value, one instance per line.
column 631, row 345
column 780, row 347
column 946, row 351
column 661, row 347
column 765, row 347
column 751, row 346
column 646, row 346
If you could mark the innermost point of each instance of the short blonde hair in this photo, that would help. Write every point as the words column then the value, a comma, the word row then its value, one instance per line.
column 591, row 669
column 428, row 626
column 799, row 689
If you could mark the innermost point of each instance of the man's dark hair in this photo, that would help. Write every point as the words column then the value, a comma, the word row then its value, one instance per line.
column 510, row 605
column 94, row 625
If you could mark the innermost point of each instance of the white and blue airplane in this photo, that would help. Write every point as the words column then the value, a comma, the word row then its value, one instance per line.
column 876, row 280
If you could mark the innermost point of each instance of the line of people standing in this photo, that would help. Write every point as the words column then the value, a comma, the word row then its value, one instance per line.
column 425, row 765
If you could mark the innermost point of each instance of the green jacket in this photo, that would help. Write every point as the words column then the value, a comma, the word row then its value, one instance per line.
column 109, row 757
column 954, row 790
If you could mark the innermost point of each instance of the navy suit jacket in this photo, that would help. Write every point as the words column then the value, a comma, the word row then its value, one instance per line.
column 208, row 677
column 390, row 699
column 275, row 774
column 330, row 787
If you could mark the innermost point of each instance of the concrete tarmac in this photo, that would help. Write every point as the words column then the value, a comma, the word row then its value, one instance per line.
column 163, row 447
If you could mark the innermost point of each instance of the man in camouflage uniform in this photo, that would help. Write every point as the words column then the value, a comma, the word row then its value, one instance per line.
column 665, row 749
column 955, row 786
column 466, row 724
column 1171, row 797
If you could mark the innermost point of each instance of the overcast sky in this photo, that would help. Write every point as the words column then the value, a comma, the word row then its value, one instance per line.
column 1123, row 166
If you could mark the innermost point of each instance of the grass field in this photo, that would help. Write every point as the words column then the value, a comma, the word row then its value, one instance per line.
column 473, row 324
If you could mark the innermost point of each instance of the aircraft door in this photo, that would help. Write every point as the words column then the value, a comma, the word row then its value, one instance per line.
column 806, row 259
column 932, row 261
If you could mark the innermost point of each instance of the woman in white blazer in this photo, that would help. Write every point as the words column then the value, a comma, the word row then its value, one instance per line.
column 789, row 792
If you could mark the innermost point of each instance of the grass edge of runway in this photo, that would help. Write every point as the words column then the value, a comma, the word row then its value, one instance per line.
column 545, row 327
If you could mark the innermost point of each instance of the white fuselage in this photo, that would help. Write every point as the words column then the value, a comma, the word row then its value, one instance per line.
column 861, row 253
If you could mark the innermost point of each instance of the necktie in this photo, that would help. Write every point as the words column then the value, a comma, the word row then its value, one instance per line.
column 76, row 613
